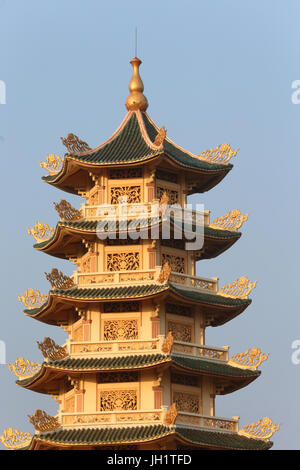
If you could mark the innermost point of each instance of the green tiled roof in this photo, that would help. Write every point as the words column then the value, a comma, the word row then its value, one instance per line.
column 129, row 146
column 135, row 434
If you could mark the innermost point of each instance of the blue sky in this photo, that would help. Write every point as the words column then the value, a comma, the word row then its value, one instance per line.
column 214, row 71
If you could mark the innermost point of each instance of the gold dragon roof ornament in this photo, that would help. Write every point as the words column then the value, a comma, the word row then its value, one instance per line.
column 33, row 299
column 171, row 415
column 24, row 368
column 164, row 274
column 41, row 232
column 221, row 154
column 74, row 144
column 250, row 359
column 13, row 439
column 59, row 280
column 136, row 99
column 233, row 220
column 240, row 288
column 66, row 211
column 263, row 429
column 51, row 350
column 168, row 344
column 159, row 139
column 52, row 163
column 43, row 422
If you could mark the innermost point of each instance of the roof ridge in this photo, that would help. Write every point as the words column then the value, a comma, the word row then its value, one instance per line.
column 144, row 132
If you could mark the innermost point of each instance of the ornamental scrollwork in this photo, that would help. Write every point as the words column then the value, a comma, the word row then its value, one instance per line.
column 181, row 331
column 120, row 330
column 74, row 144
column 58, row 280
column 170, row 193
column 13, row 439
column 263, row 429
column 168, row 343
column 176, row 262
column 41, row 232
column 111, row 400
column 53, row 163
column 252, row 358
column 33, row 299
column 51, row 350
column 128, row 194
column 160, row 137
column 221, row 154
column 43, row 422
column 66, row 211
column 24, row 368
column 171, row 415
column 129, row 261
column 164, row 274
column 240, row 288
column 187, row 402
column 233, row 220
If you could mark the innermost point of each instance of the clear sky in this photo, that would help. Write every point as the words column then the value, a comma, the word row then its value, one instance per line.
column 214, row 71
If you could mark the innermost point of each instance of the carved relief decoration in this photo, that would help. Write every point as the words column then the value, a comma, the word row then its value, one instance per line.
column 119, row 307
column 51, row 350
column 187, row 402
column 58, row 280
column 13, row 439
column 24, row 368
column 124, row 173
column 43, row 422
column 252, row 358
column 171, row 415
column 128, row 261
column 166, row 176
column 181, row 331
column 74, row 144
column 41, row 232
column 168, row 343
column 111, row 400
column 183, row 379
column 263, row 429
column 132, row 193
column 171, row 194
column 53, row 163
column 66, row 211
column 176, row 262
column 221, row 154
column 120, row 329
column 240, row 288
column 233, row 220
column 177, row 309
column 117, row 377
column 33, row 299
column 164, row 274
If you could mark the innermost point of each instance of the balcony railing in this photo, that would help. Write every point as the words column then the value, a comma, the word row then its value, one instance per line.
column 211, row 422
column 196, row 350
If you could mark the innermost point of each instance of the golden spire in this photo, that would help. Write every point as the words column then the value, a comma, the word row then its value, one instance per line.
column 136, row 100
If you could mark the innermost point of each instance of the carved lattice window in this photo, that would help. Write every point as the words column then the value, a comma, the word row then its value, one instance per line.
column 111, row 400
column 177, row 309
column 133, row 194
column 129, row 261
column 176, row 263
column 184, row 379
column 123, row 173
column 166, row 175
column 188, row 402
column 181, row 331
column 119, row 307
column 120, row 329
column 117, row 377
column 172, row 195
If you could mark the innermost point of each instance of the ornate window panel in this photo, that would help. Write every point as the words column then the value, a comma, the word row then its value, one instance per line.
column 188, row 402
column 181, row 331
column 119, row 307
column 172, row 194
column 133, row 194
column 117, row 377
column 183, row 379
column 124, row 173
column 120, row 329
column 166, row 175
column 129, row 261
column 177, row 309
column 177, row 263
column 111, row 400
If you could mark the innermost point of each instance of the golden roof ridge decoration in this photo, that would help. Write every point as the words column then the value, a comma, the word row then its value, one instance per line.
column 136, row 99
column 250, row 359
column 240, row 288
column 51, row 350
column 168, row 343
column 52, row 163
column 171, row 415
column 160, row 137
column 33, row 299
column 233, row 220
column 24, row 368
column 66, row 211
column 74, row 145
column 164, row 274
column 263, row 429
column 43, row 422
column 13, row 439
column 41, row 232
column 221, row 154
column 59, row 280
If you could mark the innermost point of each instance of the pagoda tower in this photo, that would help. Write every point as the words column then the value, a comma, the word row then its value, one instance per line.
column 135, row 371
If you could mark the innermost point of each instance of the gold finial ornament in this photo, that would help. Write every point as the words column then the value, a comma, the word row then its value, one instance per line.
column 13, row 439
column 263, row 429
column 250, row 359
column 164, row 274
column 33, row 299
column 171, row 415
column 41, row 232
column 240, row 288
column 43, row 422
column 221, row 154
column 53, row 163
column 136, row 100
column 233, row 220
column 51, row 350
column 24, row 368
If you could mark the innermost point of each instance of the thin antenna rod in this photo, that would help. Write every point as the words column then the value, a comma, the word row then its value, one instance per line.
column 136, row 42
